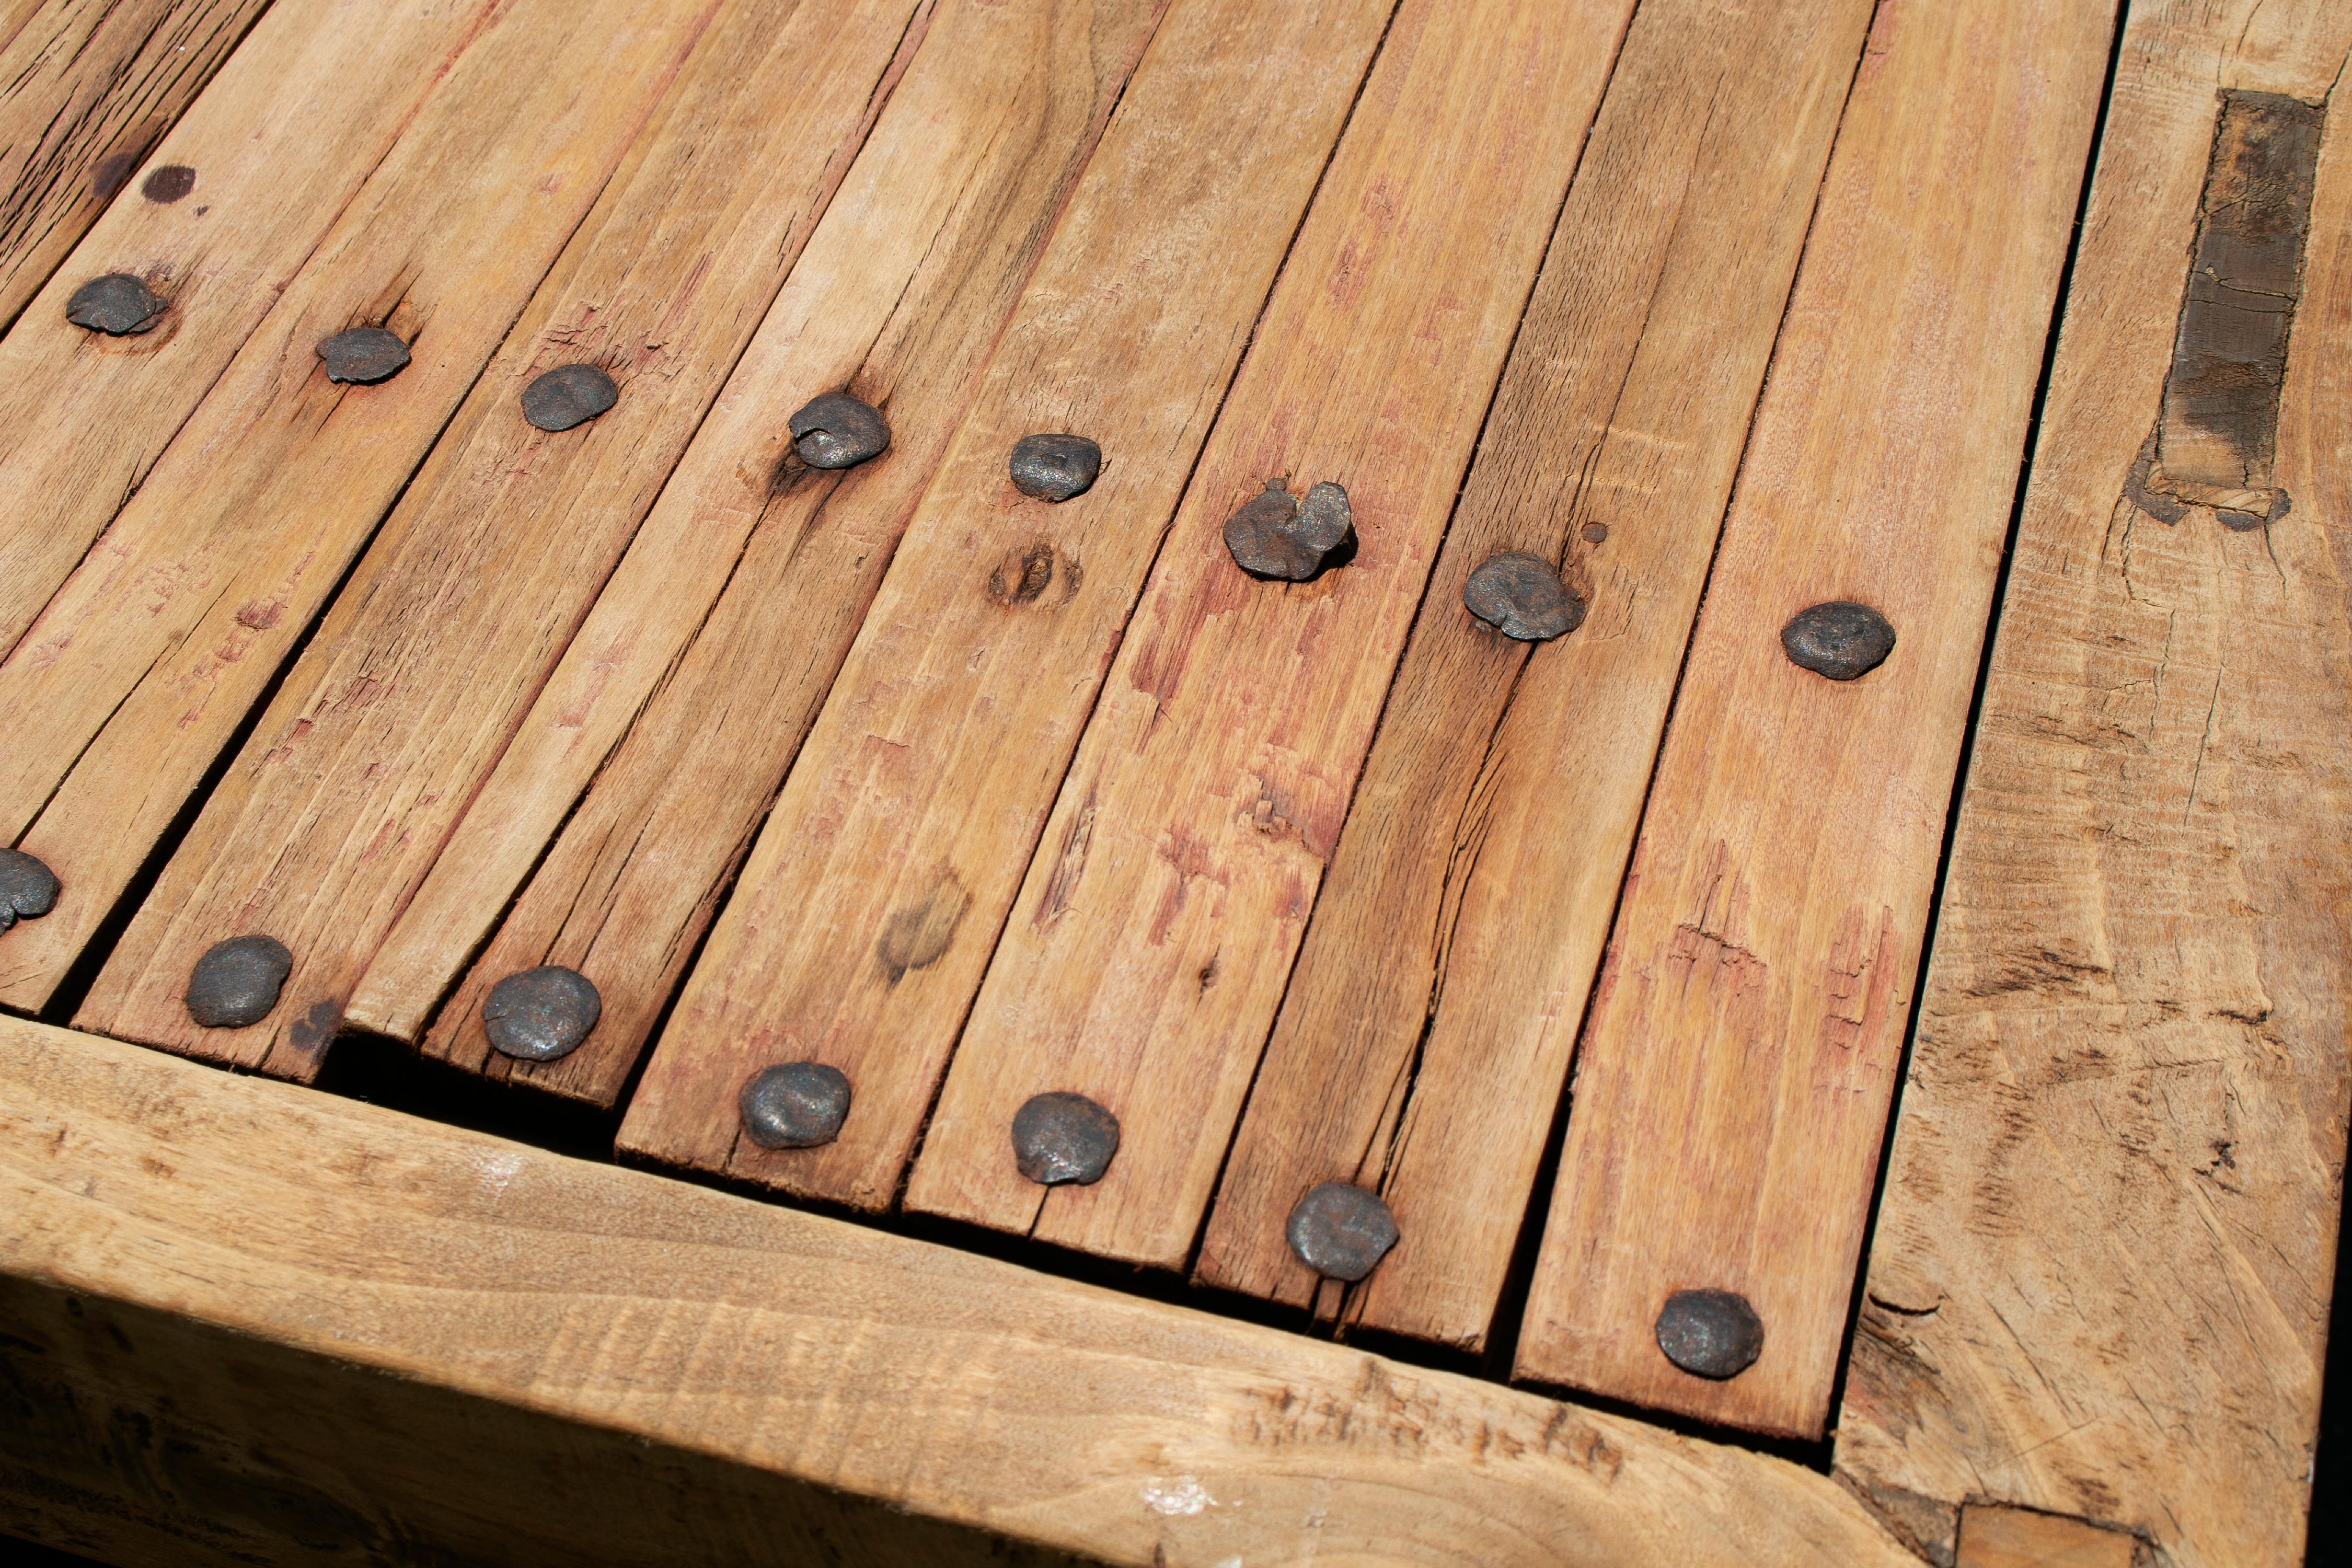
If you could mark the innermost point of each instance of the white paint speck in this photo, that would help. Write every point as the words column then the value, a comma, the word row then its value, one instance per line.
column 1184, row 1495
column 496, row 1171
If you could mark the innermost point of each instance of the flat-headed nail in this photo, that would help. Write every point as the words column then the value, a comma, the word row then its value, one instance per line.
column 116, row 304
column 799, row 1105
column 567, row 395
column 1277, row 536
column 1062, row 1137
column 235, row 982
column 1521, row 596
column 540, row 1015
column 363, row 354
column 1840, row 639
column 835, row 430
column 1055, row 467
column 1710, row 1334
column 1342, row 1231
column 28, row 889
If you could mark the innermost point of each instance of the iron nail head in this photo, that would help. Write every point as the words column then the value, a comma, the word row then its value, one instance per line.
column 1055, row 467
column 1063, row 1138
column 1710, row 1334
column 117, row 304
column 567, row 395
column 236, row 982
column 28, row 889
column 835, row 430
column 1840, row 639
column 363, row 354
column 799, row 1105
column 540, row 1015
column 1289, row 539
column 1521, row 596
column 1342, row 1231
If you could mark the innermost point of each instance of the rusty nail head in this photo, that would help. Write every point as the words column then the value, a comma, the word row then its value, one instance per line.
column 363, row 354
column 799, row 1105
column 28, row 889
column 1342, row 1231
column 1596, row 533
column 168, row 183
column 1710, row 1334
column 540, row 1015
column 1059, row 1138
column 116, row 304
column 835, row 430
column 1840, row 639
column 1277, row 536
column 567, row 395
column 1055, row 467
column 236, row 982
column 1521, row 596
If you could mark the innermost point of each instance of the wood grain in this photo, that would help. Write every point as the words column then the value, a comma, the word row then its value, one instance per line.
column 664, row 733
column 2100, row 1280
column 140, row 670
column 1423, row 1040
column 324, row 827
column 1734, row 1080
column 858, row 931
column 304, row 112
column 953, row 1386
column 86, row 88
column 1146, row 955
column 1995, row 1537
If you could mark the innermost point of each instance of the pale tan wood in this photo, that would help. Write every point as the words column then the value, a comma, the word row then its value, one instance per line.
column 665, row 731
column 1733, row 1084
column 1146, row 955
column 960, row 1388
column 86, row 88
column 865, row 914
column 1456, row 935
column 303, row 113
column 2099, row 1283
column 141, row 667
column 329, row 817
column 1993, row 1536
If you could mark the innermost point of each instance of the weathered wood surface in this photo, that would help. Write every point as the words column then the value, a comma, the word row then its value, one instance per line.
column 141, row 667
column 956, row 1387
column 1993, row 1536
column 1146, row 955
column 307, row 108
column 1732, row 1083
column 865, row 915
column 86, row 88
column 2100, row 1274
column 663, row 736
column 321, row 830
column 1424, row 1038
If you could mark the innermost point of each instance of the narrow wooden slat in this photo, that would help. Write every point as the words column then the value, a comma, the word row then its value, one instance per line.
column 1463, row 914
column 1146, row 955
column 1733, row 1087
column 140, row 669
column 865, row 914
column 305, row 109
column 86, row 88
column 2100, row 1278
column 666, row 730
column 1996, row 1536
column 329, row 819
column 953, row 1386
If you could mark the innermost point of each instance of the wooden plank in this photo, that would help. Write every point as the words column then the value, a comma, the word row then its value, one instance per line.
column 1733, row 1080
column 954, row 1387
column 305, row 110
column 1423, row 1040
column 1146, row 955
column 1993, row 1536
column 140, row 670
column 324, row 827
column 666, row 730
column 86, row 88
column 920, row 790
column 2100, row 1280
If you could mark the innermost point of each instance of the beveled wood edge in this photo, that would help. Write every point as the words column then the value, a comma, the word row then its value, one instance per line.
column 944, row 1383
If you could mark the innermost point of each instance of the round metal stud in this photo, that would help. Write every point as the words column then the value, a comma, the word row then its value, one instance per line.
column 1055, row 467
column 567, row 395
column 116, row 304
column 28, row 889
column 1840, row 639
column 1710, row 1334
column 1063, row 1138
column 168, row 183
column 1279, row 536
column 1521, row 596
column 236, row 982
column 835, row 430
column 364, row 354
column 1342, row 1231
column 540, row 1015
column 799, row 1105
